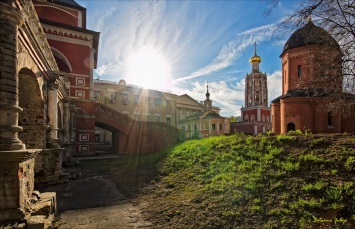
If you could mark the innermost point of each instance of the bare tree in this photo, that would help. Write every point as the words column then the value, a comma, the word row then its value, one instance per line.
column 337, row 17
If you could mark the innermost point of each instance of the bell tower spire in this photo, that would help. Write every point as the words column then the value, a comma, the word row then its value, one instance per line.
column 207, row 103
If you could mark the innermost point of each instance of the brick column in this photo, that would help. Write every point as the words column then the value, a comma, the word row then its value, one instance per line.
column 10, row 20
column 53, row 114
column 66, row 121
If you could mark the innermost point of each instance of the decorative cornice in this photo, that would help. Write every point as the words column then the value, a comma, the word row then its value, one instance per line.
column 67, row 35
column 18, row 155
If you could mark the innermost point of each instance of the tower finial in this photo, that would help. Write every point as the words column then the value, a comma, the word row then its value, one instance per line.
column 207, row 93
column 309, row 18
column 254, row 48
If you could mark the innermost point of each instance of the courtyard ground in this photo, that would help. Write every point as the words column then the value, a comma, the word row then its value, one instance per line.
column 94, row 199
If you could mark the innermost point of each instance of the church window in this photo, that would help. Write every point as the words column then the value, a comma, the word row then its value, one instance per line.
column 299, row 71
column 213, row 126
column 257, row 97
column 246, row 118
column 263, row 118
column 157, row 102
column 125, row 98
column 329, row 119
column 267, row 118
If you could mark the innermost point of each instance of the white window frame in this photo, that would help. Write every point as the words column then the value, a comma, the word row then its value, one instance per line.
column 80, row 91
column 84, row 137
column 83, row 148
column 80, row 79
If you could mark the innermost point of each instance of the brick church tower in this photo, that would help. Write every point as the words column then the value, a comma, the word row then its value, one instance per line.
column 255, row 116
column 311, row 77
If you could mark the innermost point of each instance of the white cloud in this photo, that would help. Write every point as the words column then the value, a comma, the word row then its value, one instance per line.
column 274, row 83
column 233, row 49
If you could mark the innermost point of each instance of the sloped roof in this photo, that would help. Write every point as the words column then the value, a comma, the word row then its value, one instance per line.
column 311, row 92
column 186, row 99
column 204, row 114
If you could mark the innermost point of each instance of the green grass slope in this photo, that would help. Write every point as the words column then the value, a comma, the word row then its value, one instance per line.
column 285, row 181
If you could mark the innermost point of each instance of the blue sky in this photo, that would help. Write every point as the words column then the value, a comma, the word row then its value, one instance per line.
column 186, row 43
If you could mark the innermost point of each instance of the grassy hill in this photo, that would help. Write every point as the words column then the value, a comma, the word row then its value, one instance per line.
column 285, row 181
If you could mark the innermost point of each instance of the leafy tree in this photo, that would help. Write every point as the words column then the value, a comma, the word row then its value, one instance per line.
column 233, row 119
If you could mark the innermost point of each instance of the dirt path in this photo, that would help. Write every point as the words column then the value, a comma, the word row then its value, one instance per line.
column 94, row 200
column 125, row 216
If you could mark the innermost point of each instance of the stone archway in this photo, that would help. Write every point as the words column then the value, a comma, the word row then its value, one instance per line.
column 291, row 127
column 32, row 119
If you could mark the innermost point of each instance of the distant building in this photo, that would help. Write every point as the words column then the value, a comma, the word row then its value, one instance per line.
column 144, row 105
column 205, row 123
column 255, row 116
column 307, row 82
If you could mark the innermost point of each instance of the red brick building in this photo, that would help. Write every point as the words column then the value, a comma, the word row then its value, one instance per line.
column 255, row 116
column 75, row 50
column 310, row 84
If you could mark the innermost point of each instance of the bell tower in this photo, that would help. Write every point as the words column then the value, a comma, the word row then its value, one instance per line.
column 255, row 115
column 256, row 93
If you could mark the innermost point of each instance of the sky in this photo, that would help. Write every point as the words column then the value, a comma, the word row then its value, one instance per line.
column 178, row 46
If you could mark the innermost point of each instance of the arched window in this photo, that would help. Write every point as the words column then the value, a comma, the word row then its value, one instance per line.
column 246, row 118
column 329, row 119
column 263, row 118
column 267, row 118
column 299, row 71
column 252, row 118
column 291, row 127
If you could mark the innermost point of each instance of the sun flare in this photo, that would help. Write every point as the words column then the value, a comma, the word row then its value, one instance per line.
column 148, row 68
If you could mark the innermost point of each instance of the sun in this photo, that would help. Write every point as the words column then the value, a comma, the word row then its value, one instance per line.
column 148, row 68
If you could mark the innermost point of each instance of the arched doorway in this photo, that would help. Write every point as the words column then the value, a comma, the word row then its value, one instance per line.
column 291, row 127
